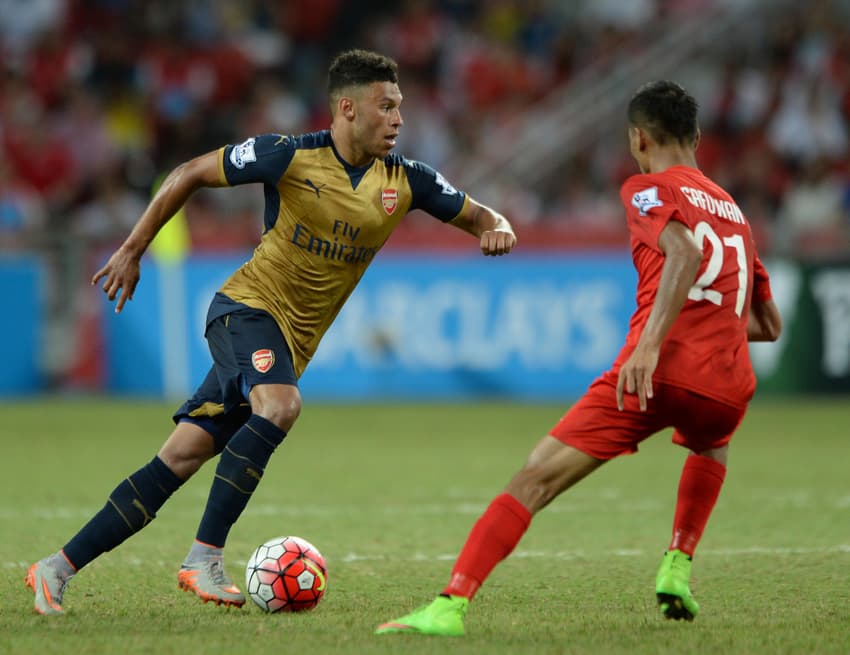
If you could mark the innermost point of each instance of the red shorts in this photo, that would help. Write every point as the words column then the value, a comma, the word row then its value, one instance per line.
column 595, row 426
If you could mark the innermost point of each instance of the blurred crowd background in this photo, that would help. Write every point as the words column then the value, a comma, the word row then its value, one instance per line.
column 520, row 102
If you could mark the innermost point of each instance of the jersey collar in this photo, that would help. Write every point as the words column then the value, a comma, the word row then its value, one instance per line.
column 355, row 173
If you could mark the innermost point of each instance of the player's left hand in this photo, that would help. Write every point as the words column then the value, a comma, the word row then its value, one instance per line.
column 636, row 376
column 121, row 274
column 497, row 242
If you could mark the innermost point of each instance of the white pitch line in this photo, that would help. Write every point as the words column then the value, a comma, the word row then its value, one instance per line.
column 618, row 552
column 301, row 510
column 525, row 554
column 465, row 508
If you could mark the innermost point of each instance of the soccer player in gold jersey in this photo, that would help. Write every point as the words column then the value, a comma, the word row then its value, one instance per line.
column 332, row 200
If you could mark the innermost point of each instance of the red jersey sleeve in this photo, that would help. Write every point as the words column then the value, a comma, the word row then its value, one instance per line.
column 649, row 207
column 761, row 282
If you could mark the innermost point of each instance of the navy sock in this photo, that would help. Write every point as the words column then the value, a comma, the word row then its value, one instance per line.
column 238, row 473
column 131, row 506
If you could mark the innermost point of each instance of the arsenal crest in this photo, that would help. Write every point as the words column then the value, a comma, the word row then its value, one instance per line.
column 263, row 359
column 389, row 199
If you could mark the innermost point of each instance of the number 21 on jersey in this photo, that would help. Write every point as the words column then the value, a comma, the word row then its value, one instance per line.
column 701, row 290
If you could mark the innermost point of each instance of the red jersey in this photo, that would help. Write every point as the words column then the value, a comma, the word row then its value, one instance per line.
column 706, row 349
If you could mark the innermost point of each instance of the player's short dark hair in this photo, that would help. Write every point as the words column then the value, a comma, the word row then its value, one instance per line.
column 359, row 67
column 665, row 110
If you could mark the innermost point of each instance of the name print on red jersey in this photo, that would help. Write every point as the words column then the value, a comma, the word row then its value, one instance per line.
column 720, row 208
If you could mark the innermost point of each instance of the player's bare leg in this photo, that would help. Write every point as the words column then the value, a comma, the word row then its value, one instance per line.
column 187, row 449
column 551, row 469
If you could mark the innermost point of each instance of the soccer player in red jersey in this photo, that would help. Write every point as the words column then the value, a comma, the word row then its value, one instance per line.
column 702, row 294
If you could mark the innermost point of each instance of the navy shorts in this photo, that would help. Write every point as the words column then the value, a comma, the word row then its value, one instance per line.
column 247, row 349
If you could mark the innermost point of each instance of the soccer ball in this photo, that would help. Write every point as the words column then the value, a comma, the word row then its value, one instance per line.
column 286, row 574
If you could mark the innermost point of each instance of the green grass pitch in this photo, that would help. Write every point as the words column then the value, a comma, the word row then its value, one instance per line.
column 388, row 494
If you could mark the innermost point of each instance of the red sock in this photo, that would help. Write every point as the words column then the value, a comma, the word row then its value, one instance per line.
column 699, row 487
column 491, row 540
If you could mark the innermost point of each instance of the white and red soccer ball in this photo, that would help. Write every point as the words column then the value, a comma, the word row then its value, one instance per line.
column 286, row 574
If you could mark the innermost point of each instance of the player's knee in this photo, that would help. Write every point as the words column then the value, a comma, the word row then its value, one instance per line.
column 188, row 448
column 184, row 464
column 532, row 488
column 719, row 455
column 279, row 404
column 281, row 407
column 283, row 414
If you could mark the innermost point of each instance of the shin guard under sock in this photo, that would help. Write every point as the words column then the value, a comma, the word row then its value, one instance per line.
column 492, row 539
column 131, row 506
column 699, row 488
column 237, row 475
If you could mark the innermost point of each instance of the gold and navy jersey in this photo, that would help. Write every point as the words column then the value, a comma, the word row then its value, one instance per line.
column 325, row 220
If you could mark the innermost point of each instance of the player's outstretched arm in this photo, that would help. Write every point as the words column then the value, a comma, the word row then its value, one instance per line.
column 494, row 230
column 765, row 322
column 121, row 272
column 682, row 258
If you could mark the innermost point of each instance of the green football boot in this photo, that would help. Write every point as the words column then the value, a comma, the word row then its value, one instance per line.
column 444, row 617
column 671, row 587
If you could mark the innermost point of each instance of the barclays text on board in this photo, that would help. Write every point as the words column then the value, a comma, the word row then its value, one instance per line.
column 531, row 329
column 434, row 327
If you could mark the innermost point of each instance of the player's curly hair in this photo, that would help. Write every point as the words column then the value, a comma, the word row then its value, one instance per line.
column 665, row 110
column 358, row 67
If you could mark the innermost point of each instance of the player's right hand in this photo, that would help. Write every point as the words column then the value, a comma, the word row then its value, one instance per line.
column 121, row 273
column 635, row 376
